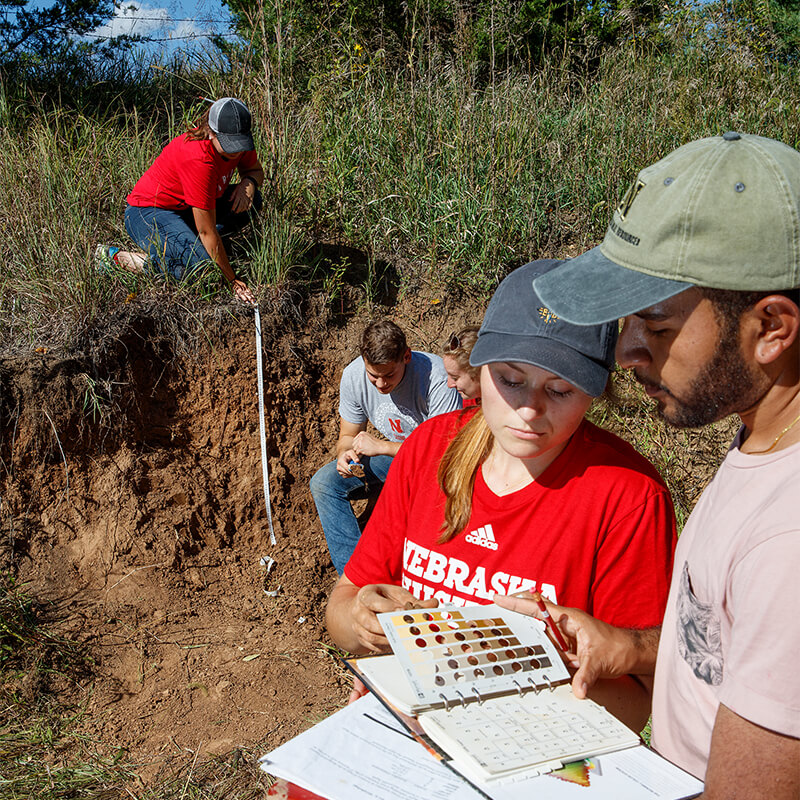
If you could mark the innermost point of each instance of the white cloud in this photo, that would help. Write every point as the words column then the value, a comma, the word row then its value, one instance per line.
column 132, row 19
column 185, row 29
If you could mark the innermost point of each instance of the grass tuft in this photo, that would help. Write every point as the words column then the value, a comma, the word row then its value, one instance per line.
column 42, row 752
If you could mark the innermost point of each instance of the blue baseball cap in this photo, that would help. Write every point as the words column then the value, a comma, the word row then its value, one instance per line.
column 516, row 329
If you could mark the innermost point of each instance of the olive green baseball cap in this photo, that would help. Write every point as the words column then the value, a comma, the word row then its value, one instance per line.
column 721, row 212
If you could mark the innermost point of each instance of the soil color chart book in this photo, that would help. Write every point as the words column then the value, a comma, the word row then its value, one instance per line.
column 489, row 691
column 458, row 655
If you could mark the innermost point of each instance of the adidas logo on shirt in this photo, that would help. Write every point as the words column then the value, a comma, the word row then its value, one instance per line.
column 484, row 537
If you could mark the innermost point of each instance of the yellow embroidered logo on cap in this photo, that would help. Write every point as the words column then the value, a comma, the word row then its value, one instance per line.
column 547, row 315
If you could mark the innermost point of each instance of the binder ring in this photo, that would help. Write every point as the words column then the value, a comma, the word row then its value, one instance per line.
column 519, row 687
column 446, row 702
column 478, row 694
column 549, row 684
column 463, row 699
column 534, row 685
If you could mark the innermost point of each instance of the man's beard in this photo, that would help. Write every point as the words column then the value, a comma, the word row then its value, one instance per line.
column 725, row 385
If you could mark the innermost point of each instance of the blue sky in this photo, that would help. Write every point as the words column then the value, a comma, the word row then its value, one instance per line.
column 170, row 25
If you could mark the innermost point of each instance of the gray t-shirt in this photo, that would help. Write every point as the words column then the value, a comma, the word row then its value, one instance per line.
column 422, row 393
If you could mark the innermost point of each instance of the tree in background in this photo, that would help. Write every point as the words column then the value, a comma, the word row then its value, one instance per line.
column 495, row 34
column 749, row 31
column 785, row 20
column 767, row 28
column 47, row 56
column 40, row 30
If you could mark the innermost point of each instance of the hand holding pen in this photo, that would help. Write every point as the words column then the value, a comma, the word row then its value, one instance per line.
column 548, row 620
column 597, row 650
column 520, row 602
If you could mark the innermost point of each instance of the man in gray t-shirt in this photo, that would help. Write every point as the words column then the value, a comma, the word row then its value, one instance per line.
column 393, row 388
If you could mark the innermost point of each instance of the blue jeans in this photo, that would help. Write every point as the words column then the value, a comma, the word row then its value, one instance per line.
column 332, row 493
column 170, row 237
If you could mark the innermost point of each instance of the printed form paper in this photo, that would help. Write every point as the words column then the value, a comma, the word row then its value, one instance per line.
column 361, row 751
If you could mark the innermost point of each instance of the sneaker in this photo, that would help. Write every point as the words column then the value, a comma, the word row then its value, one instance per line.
column 104, row 257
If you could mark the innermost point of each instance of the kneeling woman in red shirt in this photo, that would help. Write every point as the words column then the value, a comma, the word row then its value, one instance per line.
column 184, row 204
column 521, row 493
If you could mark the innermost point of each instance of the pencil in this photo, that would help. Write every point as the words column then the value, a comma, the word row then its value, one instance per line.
column 548, row 620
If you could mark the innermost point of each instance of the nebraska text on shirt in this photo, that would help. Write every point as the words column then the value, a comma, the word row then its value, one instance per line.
column 437, row 572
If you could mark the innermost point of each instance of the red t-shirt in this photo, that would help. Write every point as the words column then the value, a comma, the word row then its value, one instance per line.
column 596, row 530
column 187, row 174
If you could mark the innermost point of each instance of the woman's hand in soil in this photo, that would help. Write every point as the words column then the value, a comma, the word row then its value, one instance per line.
column 242, row 196
column 375, row 599
column 241, row 291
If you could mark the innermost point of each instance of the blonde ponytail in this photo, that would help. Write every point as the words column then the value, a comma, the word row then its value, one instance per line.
column 457, row 470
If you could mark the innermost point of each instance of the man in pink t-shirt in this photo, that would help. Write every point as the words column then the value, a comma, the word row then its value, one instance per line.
column 702, row 258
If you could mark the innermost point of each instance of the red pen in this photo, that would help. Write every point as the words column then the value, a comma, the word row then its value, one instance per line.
column 548, row 620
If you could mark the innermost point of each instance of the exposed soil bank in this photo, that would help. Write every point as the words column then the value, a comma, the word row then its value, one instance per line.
column 132, row 504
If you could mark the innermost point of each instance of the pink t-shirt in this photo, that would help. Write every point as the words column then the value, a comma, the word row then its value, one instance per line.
column 596, row 530
column 187, row 174
column 730, row 633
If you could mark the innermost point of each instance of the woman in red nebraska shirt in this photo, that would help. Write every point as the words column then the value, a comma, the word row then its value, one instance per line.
column 180, row 209
column 521, row 493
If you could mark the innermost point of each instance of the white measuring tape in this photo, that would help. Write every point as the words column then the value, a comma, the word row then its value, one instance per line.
column 264, row 467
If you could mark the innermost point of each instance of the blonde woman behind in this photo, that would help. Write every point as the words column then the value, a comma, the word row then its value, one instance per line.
column 461, row 375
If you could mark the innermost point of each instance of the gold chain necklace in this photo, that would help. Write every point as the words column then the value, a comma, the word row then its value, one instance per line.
column 777, row 438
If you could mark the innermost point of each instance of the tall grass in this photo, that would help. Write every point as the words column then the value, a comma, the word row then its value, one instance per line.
column 420, row 168
column 434, row 175
column 55, row 200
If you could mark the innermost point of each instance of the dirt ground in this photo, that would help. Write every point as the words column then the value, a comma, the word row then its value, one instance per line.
column 131, row 504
